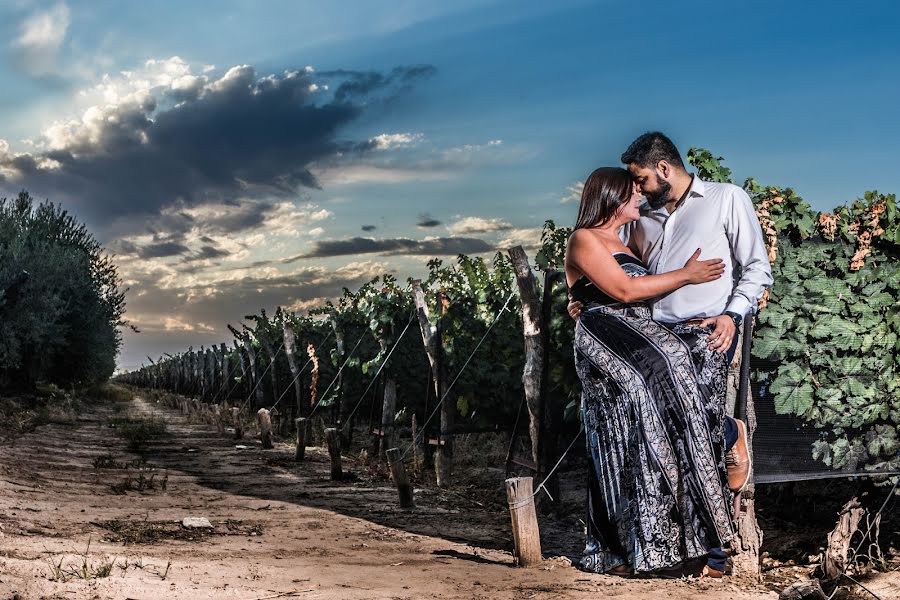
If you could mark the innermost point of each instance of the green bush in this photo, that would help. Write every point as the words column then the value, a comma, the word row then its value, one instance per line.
column 61, row 325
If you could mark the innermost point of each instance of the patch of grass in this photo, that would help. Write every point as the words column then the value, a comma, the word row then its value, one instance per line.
column 138, row 432
column 140, row 483
column 110, row 392
column 82, row 568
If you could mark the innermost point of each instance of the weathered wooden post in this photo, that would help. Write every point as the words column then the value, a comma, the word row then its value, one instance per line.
column 251, row 353
column 398, row 474
column 526, row 535
column 431, row 338
column 263, row 336
column 534, row 350
column 739, row 401
column 333, row 441
column 219, row 417
column 236, row 421
column 339, row 345
column 290, row 351
column 302, row 425
column 264, row 420
column 389, row 407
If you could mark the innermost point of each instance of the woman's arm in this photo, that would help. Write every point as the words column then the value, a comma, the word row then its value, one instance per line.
column 595, row 262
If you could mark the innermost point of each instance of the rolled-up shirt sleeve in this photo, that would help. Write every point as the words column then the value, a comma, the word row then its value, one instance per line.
column 749, row 250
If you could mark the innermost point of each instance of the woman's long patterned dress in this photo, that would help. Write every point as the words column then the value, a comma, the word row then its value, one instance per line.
column 653, row 410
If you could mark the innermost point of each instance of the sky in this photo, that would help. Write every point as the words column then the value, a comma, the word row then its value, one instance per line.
column 251, row 154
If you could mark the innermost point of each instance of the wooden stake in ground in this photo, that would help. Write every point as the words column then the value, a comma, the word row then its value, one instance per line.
column 217, row 413
column 333, row 441
column 398, row 474
column 534, row 349
column 264, row 420
column 526, row 535
column 839, row 540
column 739, row 402
column 431, row 337
column 302, row 426
column 389, row 407
column 236, row 421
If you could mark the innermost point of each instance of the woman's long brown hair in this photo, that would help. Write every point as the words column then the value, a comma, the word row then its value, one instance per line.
column 605, row 191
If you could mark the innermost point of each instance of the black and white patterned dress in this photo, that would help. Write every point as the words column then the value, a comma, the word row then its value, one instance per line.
column 653, row 404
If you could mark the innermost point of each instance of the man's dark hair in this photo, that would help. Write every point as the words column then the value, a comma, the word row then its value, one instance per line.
column 649, row 149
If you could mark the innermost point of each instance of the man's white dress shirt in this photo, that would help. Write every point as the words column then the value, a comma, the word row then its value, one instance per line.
column 719, row 219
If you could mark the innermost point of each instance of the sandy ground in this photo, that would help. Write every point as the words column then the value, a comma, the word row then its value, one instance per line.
column 281, row 530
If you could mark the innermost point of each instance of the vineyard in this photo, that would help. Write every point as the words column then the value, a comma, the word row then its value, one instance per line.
column 445, row 355
column 292, row 435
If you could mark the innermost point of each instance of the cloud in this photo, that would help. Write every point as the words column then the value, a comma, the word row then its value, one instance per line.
column 529, row 239
column 393, row 246
column 426, row 221
column 573, row 193
column 421, row 161
column 40, row 37
column 390, row 141
column 162, row 135
column 162, row 250
column 208, row 301
column 470, row 225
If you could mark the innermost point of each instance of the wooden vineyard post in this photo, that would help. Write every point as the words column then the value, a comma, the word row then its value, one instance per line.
column 302, row 425
column 290, row 351
column 264, row 419
column 333, row 441
column 398, row 474
column 236, row 421
column 739, row 401
column 389, row 407
column 263, row 337
column 255, row 383
column 431, row 337
column 415, row 445
column 226, row 371
column 835, row 558
column 339, row 346
column 526, row 535
column 220, row 418
column 535, row 353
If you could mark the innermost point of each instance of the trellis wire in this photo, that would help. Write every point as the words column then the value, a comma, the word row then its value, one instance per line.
column 378, row 372
column 440, row 402
column 262, row 376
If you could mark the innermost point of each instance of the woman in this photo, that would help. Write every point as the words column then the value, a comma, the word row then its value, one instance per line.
column 656, row 495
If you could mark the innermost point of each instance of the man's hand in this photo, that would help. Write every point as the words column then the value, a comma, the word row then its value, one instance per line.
column 723, row 332
column 574, row 308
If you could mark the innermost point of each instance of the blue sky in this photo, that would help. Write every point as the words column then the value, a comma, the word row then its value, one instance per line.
column 199, row 147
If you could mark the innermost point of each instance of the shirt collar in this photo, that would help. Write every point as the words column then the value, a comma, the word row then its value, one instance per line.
column 698, row 187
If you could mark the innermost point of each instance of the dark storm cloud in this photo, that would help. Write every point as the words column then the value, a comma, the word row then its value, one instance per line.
column 239, row 136
column 427, row 221
column 161, row 250
column 358, row 84
column 361, row 245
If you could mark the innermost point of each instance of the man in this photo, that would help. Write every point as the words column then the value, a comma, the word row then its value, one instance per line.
column 684, row 213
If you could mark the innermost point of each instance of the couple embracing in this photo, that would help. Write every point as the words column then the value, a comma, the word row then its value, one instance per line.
column 659, row 291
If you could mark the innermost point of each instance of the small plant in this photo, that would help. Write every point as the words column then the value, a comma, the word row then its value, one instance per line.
column 138, row 432
column 83, row 568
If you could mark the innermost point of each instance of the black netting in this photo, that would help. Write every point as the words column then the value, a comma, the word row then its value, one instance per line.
column 783, row 444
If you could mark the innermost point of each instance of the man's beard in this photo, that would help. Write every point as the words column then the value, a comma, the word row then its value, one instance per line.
column 660, row 197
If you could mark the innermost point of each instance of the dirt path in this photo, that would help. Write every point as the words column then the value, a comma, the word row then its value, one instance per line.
column 280, row 530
